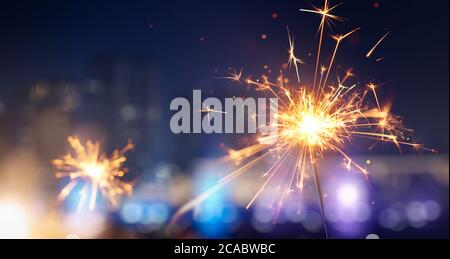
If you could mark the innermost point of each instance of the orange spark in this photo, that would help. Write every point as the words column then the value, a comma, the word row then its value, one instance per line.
column 369, row 54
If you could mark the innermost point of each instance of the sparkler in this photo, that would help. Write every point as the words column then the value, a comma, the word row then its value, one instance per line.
column 312, row 121
column 88, row 166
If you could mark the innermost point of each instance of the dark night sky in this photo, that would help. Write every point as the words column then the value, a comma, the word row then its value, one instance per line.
column 58, row 40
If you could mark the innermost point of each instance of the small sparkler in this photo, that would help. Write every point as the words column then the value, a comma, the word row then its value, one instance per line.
column 312, row 121
column 97, row 172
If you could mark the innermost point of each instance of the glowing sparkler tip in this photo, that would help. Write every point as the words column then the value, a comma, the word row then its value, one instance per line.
column 94, row 171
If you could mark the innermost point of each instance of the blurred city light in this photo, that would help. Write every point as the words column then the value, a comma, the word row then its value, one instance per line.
column 13, row 220
column 348, row 195
column 85, row 224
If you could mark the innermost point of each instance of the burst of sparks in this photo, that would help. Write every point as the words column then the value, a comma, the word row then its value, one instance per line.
column 312, row 121
column 97, row 173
